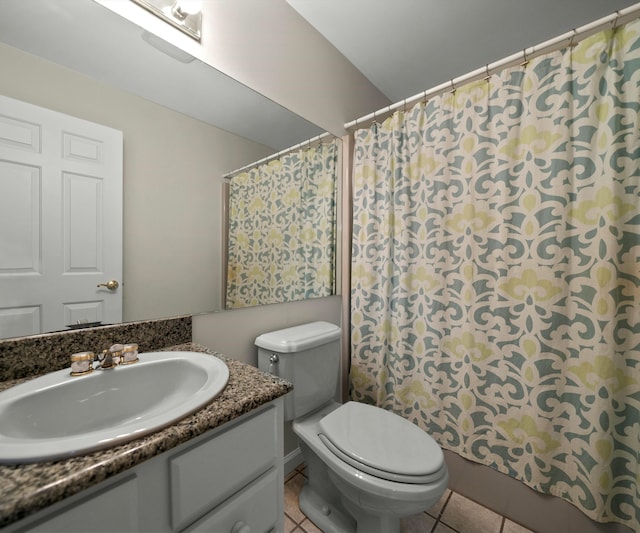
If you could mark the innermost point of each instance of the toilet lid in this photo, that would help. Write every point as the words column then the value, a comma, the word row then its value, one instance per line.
column 382, row 443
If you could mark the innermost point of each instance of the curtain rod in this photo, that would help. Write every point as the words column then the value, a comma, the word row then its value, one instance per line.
column 570, row 38
column 229, row 175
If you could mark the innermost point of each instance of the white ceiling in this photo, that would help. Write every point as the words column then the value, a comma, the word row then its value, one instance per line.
column 405, row 47
column 402, row 46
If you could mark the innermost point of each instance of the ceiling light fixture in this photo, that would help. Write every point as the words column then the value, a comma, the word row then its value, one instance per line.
column 186, row 15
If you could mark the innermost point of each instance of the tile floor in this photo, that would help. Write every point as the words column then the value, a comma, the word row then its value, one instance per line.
column 452, row 514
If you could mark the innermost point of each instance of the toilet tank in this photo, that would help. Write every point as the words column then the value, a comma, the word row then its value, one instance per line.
column 309, row 357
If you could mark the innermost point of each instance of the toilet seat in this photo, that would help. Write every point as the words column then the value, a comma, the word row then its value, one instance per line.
column 382, row 444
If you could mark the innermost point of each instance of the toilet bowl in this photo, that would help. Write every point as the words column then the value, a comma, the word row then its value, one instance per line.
column 383, row 467
column 366, row 467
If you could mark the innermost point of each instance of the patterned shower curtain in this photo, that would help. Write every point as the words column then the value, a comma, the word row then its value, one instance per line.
column 282, row 229
column 496, row 272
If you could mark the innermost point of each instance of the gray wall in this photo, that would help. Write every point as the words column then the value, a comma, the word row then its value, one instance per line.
column 233, row 333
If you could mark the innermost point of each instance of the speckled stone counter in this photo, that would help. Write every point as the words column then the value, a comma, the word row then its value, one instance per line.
column 25, row 489
column 22, row 357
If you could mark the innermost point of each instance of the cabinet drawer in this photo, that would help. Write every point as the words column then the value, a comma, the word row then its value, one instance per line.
column 256, row 507
column 112, row 508
column 204, row 475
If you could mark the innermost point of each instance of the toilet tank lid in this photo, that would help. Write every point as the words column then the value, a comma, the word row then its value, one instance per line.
column 299, row 338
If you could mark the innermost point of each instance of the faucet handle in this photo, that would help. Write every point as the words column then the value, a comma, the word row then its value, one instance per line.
column 129, row 354
column 81, row 363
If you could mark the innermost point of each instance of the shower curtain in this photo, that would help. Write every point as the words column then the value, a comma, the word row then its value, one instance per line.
column 496, row 271
column 282, row 228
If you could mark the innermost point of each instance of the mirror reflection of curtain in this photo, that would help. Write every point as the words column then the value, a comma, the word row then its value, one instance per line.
column 282, row 228
column 495, row 274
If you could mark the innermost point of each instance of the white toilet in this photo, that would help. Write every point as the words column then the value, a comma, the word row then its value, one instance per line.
column 366, row 467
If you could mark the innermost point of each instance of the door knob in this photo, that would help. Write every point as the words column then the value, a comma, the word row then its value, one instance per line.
column 112, row 285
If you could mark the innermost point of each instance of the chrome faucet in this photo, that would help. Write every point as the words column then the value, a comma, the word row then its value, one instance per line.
column 118, row 354
column 111, row 357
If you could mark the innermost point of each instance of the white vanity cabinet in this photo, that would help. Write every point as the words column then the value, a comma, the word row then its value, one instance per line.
column 230, row 479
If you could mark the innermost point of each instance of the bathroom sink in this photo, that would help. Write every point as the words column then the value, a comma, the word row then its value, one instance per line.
column 57, row 415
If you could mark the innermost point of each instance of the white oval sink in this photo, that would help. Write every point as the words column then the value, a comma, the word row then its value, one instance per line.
column 58, row 415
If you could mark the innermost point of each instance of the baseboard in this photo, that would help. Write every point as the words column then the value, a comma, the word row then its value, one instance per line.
column 292, row 461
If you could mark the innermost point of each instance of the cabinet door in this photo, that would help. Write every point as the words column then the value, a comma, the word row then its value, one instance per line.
column 206, row 474
column 254, row 507
column 114, row 508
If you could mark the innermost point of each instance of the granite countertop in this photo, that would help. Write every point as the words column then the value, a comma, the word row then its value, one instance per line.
column 27, row 488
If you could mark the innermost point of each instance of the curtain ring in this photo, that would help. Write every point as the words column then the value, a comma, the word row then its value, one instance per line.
column 453, row 87
column 573, row 36
column 526, row 60
column 615, row 21
column 488, row 74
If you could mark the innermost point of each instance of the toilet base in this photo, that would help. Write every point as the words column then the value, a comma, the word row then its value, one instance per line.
column 329, row 509
column 323, row 514
column 319, row 499
column 331, row 519
column 368, row 523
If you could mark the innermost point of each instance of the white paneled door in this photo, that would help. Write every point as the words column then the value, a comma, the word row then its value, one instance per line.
column 60, row 220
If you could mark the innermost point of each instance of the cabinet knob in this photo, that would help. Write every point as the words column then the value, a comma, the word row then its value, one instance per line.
column 240, row 527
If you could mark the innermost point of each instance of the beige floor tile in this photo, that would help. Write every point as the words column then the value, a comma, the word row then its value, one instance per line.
column 291, row 474
column 310, row 527
column 437, row 507
column 466, row 516
column 443, row 528
column 292, row 490
column 289, row 525
column 420, row 523
column 512, row 527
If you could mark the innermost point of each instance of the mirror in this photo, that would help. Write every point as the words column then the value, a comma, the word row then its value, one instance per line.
column 184, row 124
column 281, row 243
